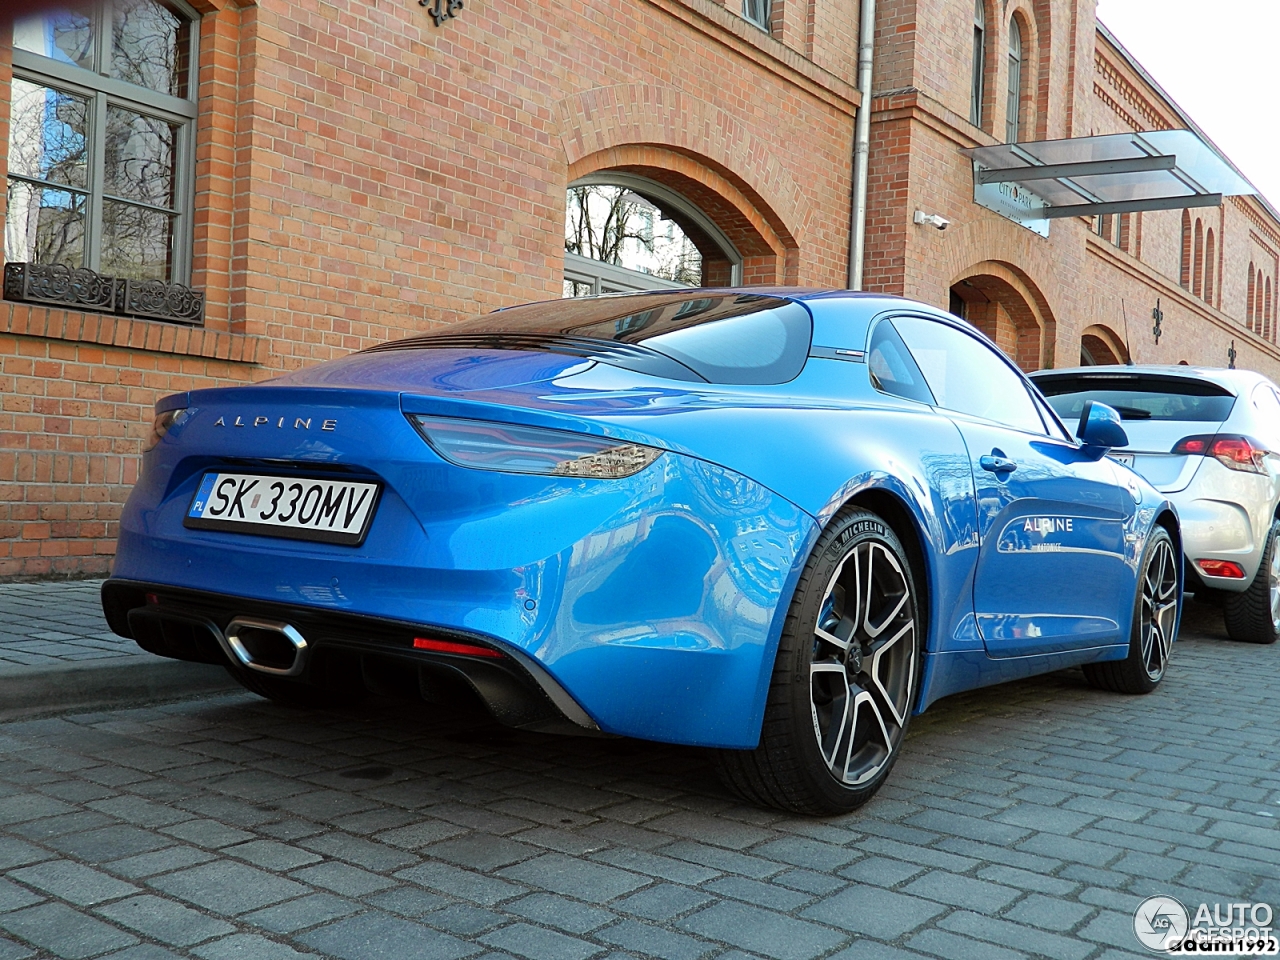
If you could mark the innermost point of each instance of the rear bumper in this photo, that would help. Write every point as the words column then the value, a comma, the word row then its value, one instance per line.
column 347, row 652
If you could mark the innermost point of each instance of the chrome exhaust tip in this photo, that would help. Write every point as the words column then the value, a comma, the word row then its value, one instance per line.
column 267, row 646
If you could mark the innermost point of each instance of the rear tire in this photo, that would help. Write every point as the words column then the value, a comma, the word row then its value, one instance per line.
column 1155, row 623
column 845, row 678
column 1254, row 616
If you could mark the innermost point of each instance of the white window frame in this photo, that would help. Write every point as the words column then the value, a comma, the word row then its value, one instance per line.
column 103, row 91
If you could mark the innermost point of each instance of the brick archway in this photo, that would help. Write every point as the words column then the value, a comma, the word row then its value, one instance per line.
column 1003, row 303
column 700, row 151
column 1102, row 345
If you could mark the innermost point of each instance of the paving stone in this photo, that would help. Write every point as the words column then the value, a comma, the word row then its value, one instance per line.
column 14, row 897
column 962, row 891
column 357, row 850
column 343, row 878
column 555, row 911
column 271, row 854
column 802, row 852
column 536, row 943
column 873, row 950
column 248, row 946
column 881, row 871
column 1034, row 940
column 16, row 853
column 164, row 921
column 593, row 882
column 1049, row 913
column 466, row 884
column 654, row 941
column 303, row 912
column 158, row 861
column 73, row 882
column 769, row 895
column 952, row 947
column 208, row 833
column 465, row 919
column 227, row 887
column 661, row 902
column 62, row 932
column 877, row 913
column 655, row 865
column 407, row 901
column 379, row 936
column 764, row 932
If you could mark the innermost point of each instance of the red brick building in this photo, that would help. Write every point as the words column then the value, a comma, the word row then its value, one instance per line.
column 260, row 186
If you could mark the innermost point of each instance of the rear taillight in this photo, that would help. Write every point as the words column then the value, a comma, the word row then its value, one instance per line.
column 1221, row 568
column 1235, row 452
column 509, row 448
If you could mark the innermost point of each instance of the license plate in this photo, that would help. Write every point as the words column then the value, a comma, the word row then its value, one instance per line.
column 1124, row 459
column 300, row 508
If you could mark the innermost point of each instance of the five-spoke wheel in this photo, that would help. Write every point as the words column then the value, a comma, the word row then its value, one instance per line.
column 1155, row 623
column 845, row 678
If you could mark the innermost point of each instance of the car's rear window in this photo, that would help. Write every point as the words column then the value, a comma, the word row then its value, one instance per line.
column 1138, row 396
column 732, row 338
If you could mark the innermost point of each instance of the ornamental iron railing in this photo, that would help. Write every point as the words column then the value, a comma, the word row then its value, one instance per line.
column 56, row 285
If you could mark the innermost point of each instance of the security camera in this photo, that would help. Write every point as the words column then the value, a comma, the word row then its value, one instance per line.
column 933, row 219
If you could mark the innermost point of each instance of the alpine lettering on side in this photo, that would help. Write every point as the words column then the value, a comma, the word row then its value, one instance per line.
column 1047, row 525
column 299, row 423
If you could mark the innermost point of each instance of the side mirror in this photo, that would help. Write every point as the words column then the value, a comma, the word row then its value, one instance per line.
column 1100, row 427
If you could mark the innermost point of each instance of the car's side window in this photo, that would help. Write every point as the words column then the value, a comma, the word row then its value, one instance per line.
column 1053, row 425
column 891, row 367
column 967, row 376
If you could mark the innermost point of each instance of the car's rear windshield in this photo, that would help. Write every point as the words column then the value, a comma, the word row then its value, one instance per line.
column 1138, row 396
column 731, row 338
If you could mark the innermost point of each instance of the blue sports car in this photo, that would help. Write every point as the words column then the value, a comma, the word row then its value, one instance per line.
column 778, row 523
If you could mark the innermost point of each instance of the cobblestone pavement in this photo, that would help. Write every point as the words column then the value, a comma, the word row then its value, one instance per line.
column 1023, row 820
column 43, row 624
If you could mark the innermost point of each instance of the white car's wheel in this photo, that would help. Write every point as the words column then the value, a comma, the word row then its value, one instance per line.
column 1254, row 616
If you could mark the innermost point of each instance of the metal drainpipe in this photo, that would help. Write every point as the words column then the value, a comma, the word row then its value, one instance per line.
column 861, row 143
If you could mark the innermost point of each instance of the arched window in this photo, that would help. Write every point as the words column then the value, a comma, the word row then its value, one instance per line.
column 1013, row 116
column 1268, row 332
column 1248, row 305
column 1257, row 304
column 1210, row 264
column 626, row 232
column 1197, row 271
column 1184, row 272
column 979, row 63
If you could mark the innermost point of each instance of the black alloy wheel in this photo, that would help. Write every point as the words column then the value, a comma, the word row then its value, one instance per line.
column 845, row 678
column 1155, row 623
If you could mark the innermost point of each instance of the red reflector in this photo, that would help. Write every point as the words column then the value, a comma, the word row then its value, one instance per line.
column 153, row 599
column 1221, row 568
column 464, row 649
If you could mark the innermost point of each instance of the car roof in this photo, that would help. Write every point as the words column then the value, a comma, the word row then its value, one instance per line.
column 1236, row 381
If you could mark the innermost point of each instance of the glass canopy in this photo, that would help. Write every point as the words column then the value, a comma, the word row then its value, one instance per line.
column 1086, row 176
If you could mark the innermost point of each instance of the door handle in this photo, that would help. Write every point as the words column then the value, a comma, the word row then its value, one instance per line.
column 997, row 464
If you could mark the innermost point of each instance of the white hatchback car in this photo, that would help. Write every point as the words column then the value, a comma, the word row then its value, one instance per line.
column 1209, row 440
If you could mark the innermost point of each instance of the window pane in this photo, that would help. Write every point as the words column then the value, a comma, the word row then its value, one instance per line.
column 967, row 376
column 65, row 34
column 47, row 131
column 891, row 366
column 136, row 243
column 44, row 225
column 139, row 162
column 149, row 46
column 619, row 226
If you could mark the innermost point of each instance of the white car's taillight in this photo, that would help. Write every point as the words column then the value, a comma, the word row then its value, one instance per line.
column 508, row 448
column 1235, row 452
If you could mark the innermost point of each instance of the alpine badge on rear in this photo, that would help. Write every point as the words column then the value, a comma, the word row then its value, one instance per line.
column 300, row 508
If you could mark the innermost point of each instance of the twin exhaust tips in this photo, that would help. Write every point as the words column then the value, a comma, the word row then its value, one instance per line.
column 267, row 646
